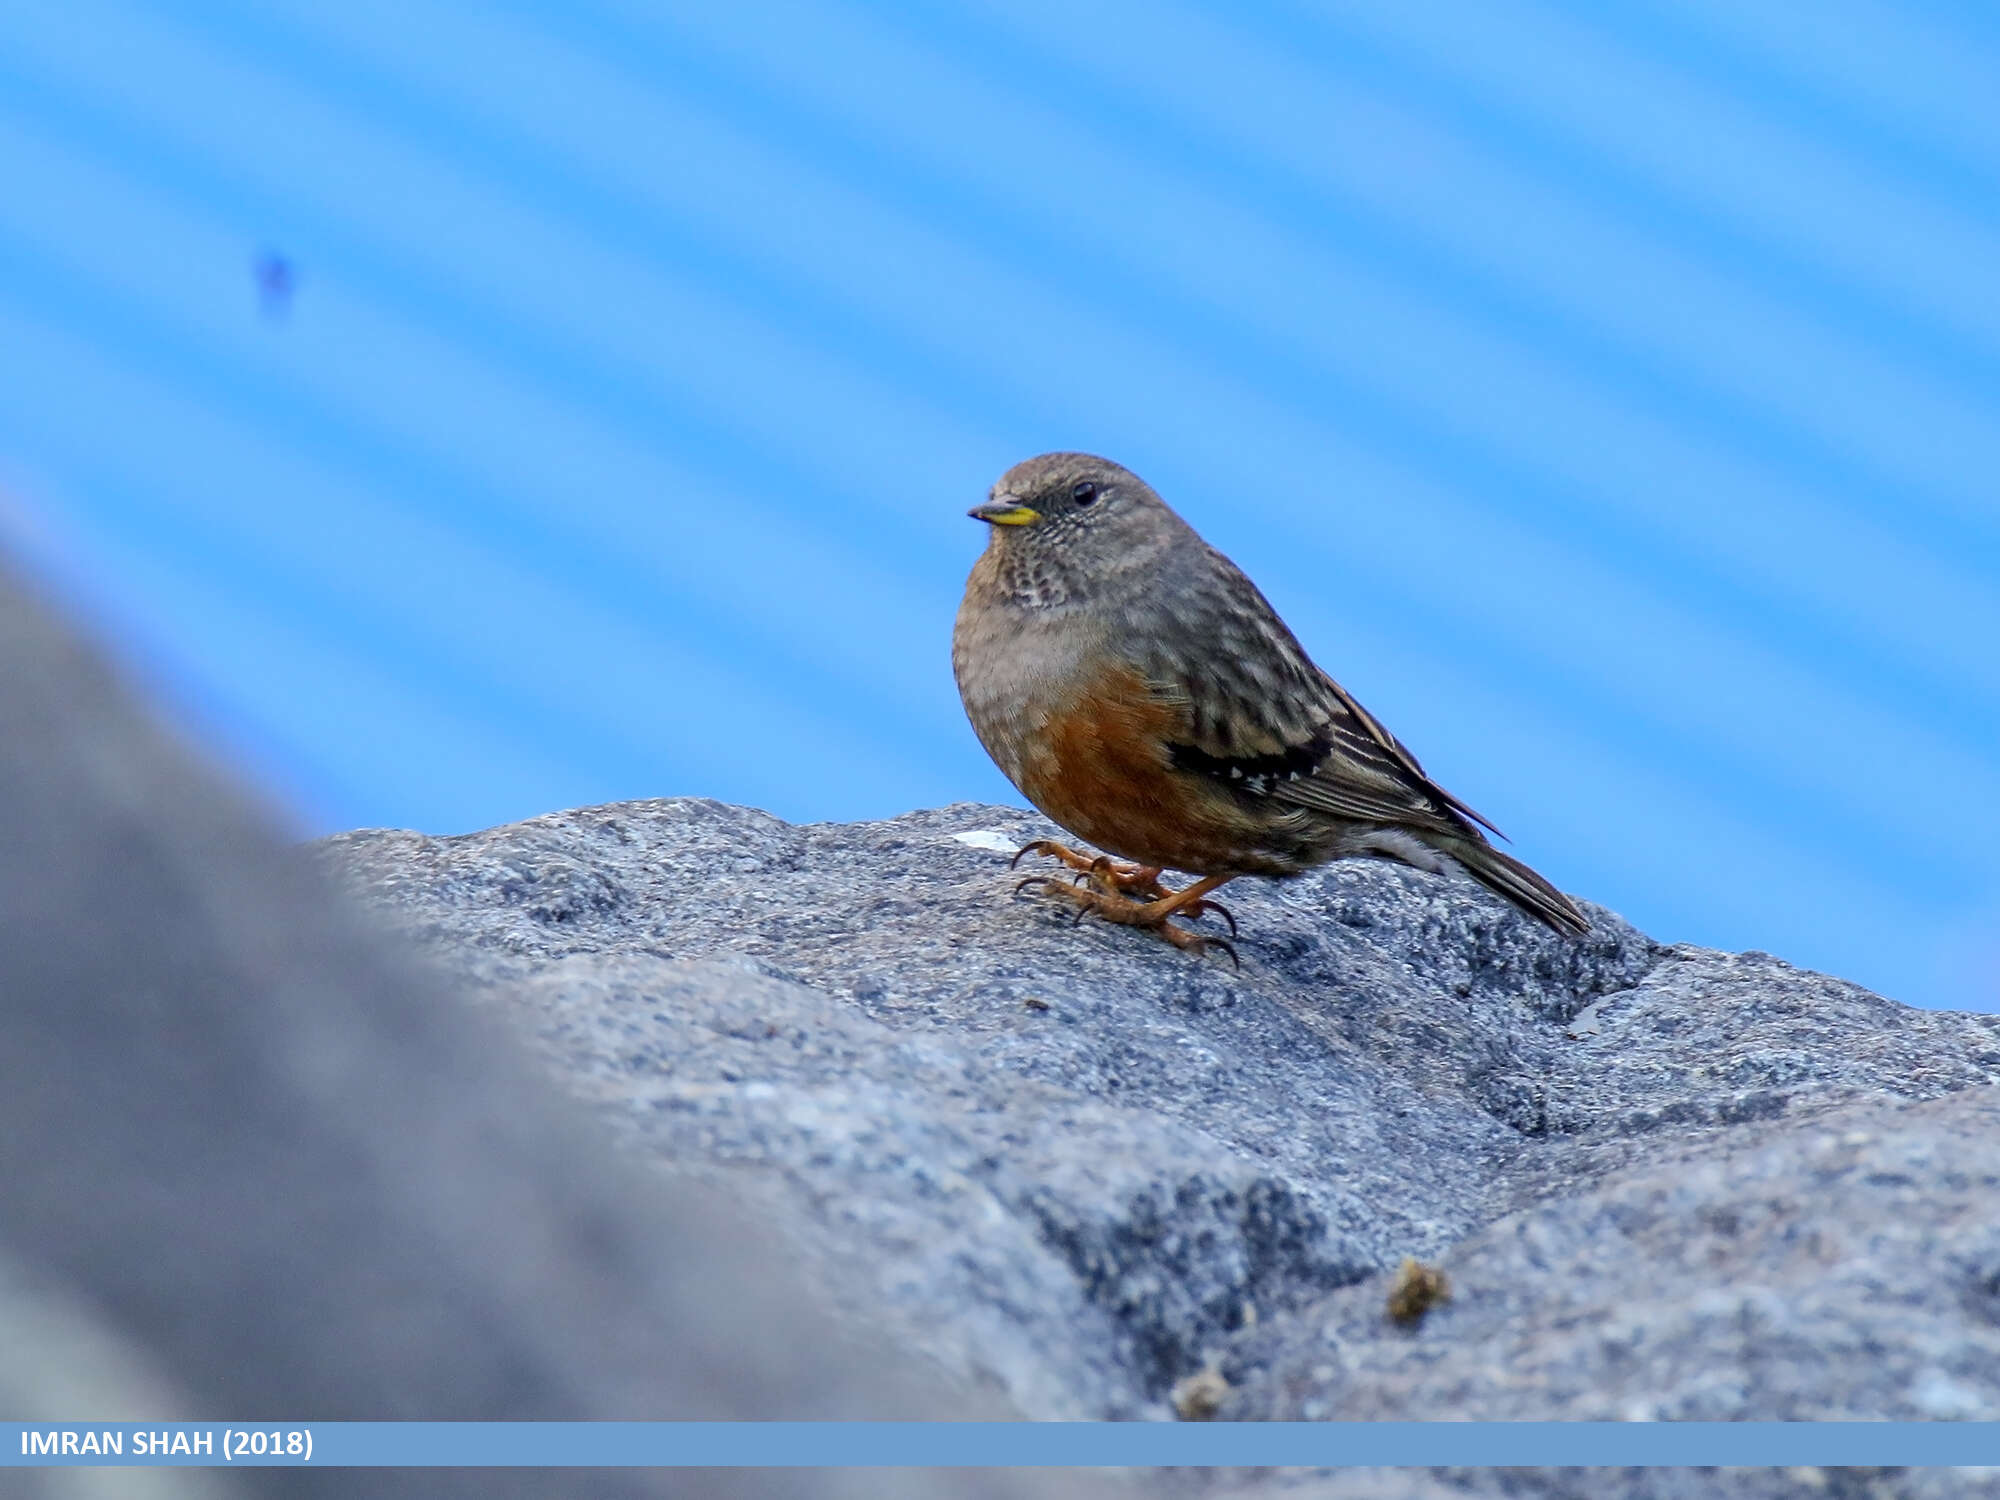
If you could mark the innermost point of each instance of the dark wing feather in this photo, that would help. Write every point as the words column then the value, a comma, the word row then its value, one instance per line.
column 1364, row 743
column 1258, row 715
column 1261, row 716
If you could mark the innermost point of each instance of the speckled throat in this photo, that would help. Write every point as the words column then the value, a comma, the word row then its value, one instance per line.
column 1029, row 578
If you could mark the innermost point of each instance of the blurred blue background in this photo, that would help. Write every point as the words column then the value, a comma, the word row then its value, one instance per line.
column 467, row 411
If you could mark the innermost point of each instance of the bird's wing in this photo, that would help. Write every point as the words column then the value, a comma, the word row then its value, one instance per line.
column 1258, row 714
column 1362, row 744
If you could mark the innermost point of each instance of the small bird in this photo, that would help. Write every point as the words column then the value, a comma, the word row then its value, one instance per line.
column 1142, row 693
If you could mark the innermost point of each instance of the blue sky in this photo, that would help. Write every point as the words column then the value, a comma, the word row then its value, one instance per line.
column 1605, row 392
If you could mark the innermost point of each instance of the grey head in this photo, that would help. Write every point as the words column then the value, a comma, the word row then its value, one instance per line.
column 1068, row 528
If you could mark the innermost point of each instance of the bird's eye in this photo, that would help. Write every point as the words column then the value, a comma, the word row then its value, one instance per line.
column 1084, row 493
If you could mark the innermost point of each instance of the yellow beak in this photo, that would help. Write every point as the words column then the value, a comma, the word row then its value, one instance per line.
column 1005, row 513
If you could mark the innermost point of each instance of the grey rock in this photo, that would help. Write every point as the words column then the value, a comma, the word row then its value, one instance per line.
column 259, row 1167
column 1078, row 1166
column 1800, row 1482
column 864, row 1134
column 1845, row 1268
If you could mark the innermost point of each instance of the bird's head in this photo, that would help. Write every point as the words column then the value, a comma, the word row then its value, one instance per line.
column 1070, row 520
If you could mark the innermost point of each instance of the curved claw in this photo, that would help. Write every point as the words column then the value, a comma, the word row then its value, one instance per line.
column 1033, row 846
column 1204, row 907
column 1022, row 885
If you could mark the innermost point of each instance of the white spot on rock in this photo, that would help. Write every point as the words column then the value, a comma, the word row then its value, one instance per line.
column 1937, row 1395
column 1586, row 1022
column 987, row 838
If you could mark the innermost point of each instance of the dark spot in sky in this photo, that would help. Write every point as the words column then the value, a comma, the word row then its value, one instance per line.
column 277, row 282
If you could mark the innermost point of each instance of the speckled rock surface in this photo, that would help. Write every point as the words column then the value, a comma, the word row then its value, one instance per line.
column 1079, row 1166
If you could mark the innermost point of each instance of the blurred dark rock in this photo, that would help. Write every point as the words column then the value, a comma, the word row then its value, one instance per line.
column 257, row 1166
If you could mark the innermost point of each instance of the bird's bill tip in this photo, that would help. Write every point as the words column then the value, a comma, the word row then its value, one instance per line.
column 1008, row 512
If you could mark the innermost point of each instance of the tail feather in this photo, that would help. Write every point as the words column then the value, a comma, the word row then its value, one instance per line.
column 1506, row 876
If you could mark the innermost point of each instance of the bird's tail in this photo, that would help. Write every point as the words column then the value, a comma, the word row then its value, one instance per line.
column 1506, row 876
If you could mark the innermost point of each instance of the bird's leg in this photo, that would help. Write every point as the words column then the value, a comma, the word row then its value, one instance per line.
column 1114, row 877
column 1086, row 863
column 1151, row 915
column 1144, row 881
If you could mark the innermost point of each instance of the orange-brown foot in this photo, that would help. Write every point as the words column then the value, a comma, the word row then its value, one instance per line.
column 1087, row 863
column 1114, row 877
column 1154, row 916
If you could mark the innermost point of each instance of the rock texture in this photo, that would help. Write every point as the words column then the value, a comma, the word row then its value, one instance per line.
column 1079, row 1167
